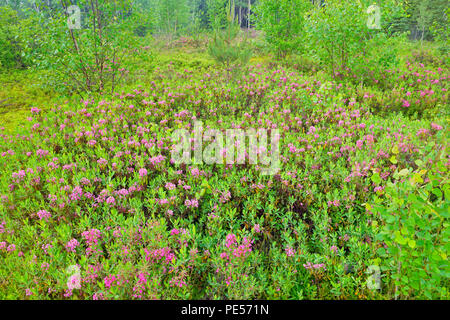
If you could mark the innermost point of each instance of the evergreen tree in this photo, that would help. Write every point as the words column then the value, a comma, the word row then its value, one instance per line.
column 225, row 47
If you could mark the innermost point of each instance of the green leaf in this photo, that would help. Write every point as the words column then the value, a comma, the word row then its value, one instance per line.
column 381, row 252
column 399, row 239
column 376, row 178
column 437, row 192
column 395, row 150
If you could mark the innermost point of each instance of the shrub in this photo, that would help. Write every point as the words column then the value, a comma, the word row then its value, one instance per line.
column 337, row 33
column 413, row 234
column 88, row 191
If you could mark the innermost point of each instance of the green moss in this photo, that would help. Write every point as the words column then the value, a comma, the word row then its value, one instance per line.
column 184, row 60
column 19, row 92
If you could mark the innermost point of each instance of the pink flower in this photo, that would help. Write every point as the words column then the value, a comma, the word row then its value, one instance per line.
column 43, row 215
column 45, row 266
column 98, row 296
column 162, row 254
column 74, row 282
column 102, row 161
column 230, row 240
column 71, row 245
column 142, row 172
column 92, row 236
column 289, row 251
column 67, row 293
column 170, row 186
column 243, row 249
column 195, row 172
column 110, row 200
column 191, row 203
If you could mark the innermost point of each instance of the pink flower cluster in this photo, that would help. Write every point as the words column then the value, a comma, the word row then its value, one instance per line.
column 310, row 266
column 112, row 280
column 72, row 245
column 43, row 214
column 237, row 250
column 92, row 236
column 191, row 203
column 162, row 254
column 289, row 251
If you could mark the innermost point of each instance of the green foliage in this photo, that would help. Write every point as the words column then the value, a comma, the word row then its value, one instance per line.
column 337, row 33
column 427, row 16
column 310, row 228
column 283, row 24
column 171, row 15
column 361, row 195
column 11, row 40
column 179, row 61
column 20, row 92
column 88, row 59
column 415, row 221
column 226, row 48
column 441, row 32
column 217, row 14
column 144, row 23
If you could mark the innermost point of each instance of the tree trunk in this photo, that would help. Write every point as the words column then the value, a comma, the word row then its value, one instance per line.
column 240, row 16
column 248, row 16
column 423, row 33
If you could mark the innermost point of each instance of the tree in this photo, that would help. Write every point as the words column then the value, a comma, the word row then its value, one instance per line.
column 244, row 12
column 217, row 14
column 171, row 15
column 337, row 31
column 283, row 24
column 428, row 13
column 11, row 44
column 440, row 31
column 225, row 47
column 87, row 59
